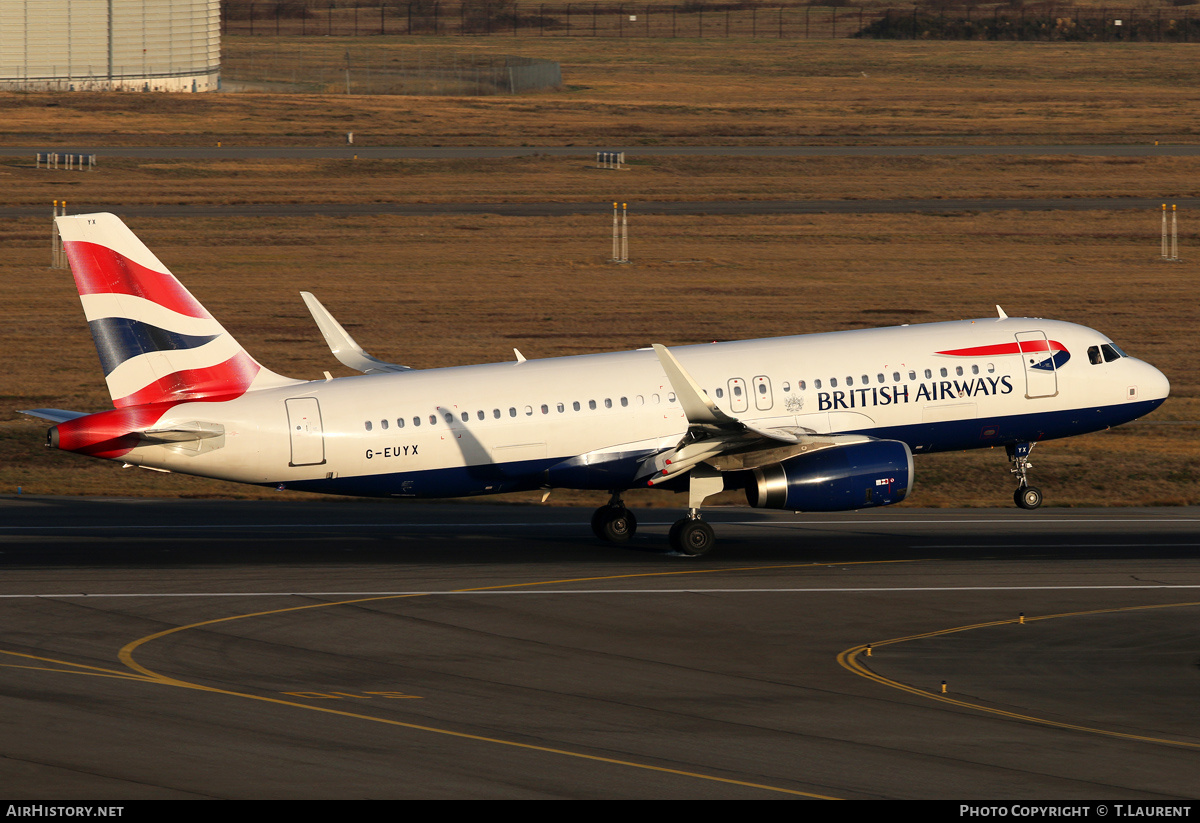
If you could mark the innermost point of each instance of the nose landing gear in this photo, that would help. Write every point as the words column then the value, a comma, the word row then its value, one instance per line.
column 1026, row 496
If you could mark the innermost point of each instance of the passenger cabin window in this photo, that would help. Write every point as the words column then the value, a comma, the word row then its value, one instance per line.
column 383, row 425
column 399, row 422
column 367, row 424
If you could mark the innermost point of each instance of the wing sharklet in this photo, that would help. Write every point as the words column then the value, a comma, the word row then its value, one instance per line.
column 695, row 402
column 343, row 346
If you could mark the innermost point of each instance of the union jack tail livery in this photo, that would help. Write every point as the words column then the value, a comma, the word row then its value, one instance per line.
column 156, row 343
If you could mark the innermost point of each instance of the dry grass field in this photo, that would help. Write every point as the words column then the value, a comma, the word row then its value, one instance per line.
column 442, row 290
column 676, row 91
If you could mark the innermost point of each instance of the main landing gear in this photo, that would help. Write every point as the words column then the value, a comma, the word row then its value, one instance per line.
column 616, row 524
column 691, row 535
column 1026, row 496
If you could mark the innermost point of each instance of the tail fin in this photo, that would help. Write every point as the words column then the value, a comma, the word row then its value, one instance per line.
column 156, row 342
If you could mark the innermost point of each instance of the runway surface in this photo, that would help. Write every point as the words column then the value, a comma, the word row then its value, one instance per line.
column 560, row 209
column 187, row 649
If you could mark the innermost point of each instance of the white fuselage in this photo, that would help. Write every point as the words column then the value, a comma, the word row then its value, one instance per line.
column 585, row 421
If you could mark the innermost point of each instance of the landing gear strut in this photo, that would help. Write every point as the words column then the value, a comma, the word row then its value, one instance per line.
column 691, row 535
column 613, row 522
column 1026, row 496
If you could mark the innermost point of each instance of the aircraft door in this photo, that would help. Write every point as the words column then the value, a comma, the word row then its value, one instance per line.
column 763, row 400
column 1041, row 373
column 305, row 431
column 738, row 401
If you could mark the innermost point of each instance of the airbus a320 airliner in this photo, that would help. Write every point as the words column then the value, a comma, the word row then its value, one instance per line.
column 812, row 423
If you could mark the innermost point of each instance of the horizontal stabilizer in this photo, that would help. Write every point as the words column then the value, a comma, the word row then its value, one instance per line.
column 343, row 346
column 56, row 415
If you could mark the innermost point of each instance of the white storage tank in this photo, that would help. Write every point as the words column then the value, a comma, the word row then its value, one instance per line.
column 100, row 45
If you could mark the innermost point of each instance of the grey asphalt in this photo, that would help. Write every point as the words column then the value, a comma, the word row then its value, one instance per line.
column 559, row 209
column 185, row 649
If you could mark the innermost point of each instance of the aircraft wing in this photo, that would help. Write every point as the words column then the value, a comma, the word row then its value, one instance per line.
column 722, row 441
column 343, row 346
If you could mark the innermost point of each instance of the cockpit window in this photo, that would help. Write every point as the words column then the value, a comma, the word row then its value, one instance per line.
column 1104, row 353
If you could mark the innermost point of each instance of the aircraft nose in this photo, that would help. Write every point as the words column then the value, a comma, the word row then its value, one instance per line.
column 1155, row 385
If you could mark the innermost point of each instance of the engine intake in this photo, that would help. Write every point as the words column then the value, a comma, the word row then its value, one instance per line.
column 854, row 476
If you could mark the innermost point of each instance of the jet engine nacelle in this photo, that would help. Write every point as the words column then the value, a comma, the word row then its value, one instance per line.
column 854, row 476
